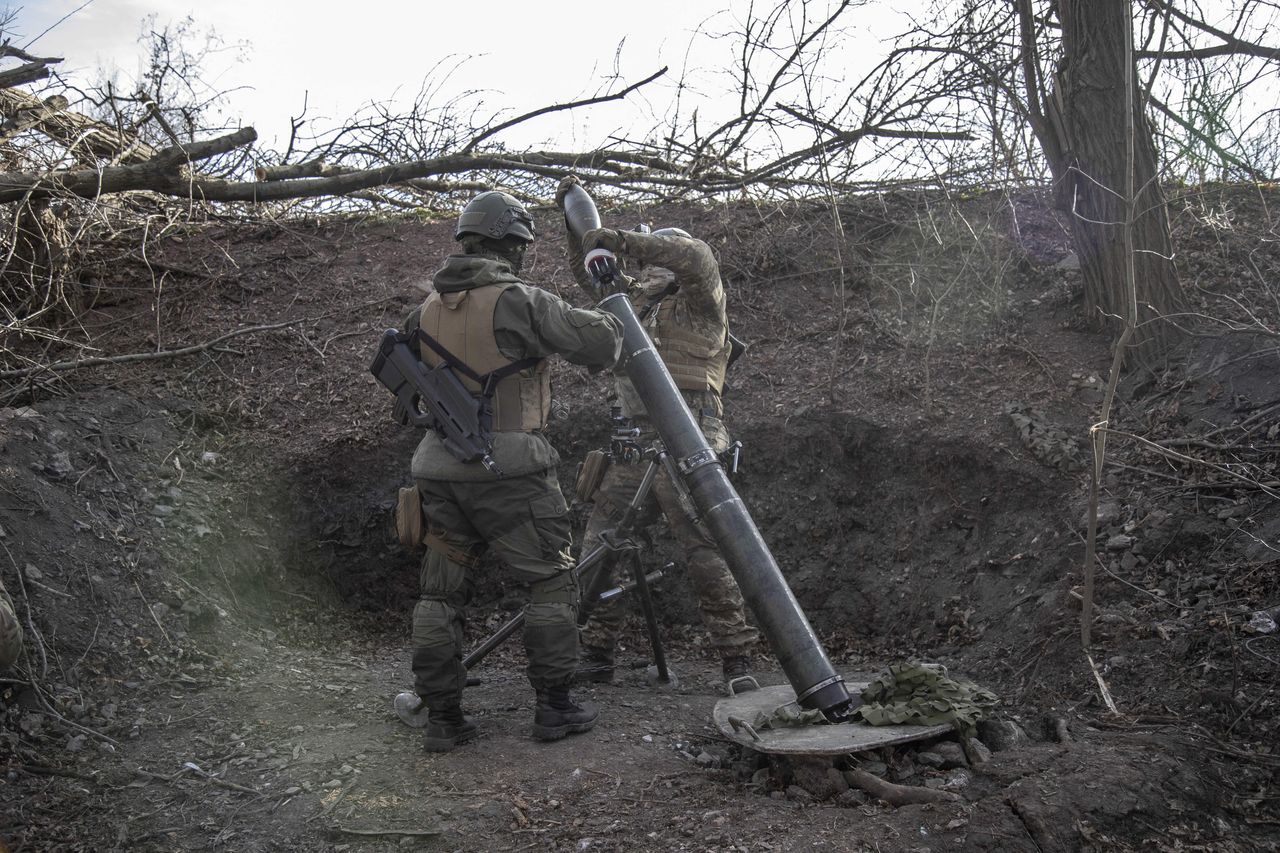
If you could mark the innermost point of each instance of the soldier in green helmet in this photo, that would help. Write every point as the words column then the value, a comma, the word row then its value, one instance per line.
column 679, row 296
column 485, row 321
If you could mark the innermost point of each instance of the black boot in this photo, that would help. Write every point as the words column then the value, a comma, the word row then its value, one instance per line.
column 447, row 728
column 558, row 715
column 737, row 675
column 595, row 666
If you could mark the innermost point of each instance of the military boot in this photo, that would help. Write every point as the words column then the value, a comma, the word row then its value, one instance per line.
column 595, row 666
column 448, row 727
column 737, row 675
column 557, row 715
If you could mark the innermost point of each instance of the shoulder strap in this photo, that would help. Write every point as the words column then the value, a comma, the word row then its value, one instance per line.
column 489, row 380
column 656, row 300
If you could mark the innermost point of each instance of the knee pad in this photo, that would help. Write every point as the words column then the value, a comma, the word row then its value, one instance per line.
column 553, row 600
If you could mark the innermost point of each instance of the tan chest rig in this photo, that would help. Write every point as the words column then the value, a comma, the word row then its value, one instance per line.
column 696, row 358
column 462, row 323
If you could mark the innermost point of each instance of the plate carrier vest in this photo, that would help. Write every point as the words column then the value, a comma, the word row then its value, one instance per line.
column 457, row 328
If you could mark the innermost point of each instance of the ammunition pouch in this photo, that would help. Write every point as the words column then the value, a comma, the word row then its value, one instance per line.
column 591, row 474
column 410, row 529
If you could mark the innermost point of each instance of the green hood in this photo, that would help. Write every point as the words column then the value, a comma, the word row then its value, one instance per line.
column 464, row 272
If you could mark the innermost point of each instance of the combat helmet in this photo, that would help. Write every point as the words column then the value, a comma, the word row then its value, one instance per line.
column 495, row 215
column 672, row 232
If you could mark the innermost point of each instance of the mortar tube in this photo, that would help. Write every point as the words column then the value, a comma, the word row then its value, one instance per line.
column 765, row 590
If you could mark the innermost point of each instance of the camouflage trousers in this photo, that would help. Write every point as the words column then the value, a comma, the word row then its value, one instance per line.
column 10, row 631
column 718, row 597
column 525, row 521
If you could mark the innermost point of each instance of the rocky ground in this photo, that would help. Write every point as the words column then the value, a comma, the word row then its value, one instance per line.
column 217, row 611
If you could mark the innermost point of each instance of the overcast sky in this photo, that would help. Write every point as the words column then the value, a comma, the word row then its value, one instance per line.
column 341, row 56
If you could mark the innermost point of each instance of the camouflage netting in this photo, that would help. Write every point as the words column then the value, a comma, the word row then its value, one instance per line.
column 922, row 694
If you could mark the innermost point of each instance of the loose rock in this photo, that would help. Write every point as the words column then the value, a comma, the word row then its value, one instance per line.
column 1002, row 734
column 952, row 755
column 931, row 759
column 797, row 794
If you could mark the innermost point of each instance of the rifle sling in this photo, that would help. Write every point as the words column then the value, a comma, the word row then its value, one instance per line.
column 488, row 381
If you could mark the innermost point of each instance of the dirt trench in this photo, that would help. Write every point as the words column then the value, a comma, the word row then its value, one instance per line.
column 283, row 612
column 223, row 612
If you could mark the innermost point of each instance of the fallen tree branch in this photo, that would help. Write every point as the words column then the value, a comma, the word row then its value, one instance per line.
column 97, row 361
column 84, row 137
column 898, row 795
column 160, row 173
column 411, row 833
column 29, row 73
column 1268, row 488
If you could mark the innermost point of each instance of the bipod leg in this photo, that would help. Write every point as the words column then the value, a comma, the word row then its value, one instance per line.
column 591, row 570
column 598, row 564
column 494, row 640
column 660, row 675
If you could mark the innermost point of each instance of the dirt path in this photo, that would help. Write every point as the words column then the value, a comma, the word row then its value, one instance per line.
column 294, row 749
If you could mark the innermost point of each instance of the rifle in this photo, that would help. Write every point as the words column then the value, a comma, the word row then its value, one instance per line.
column 457, row 415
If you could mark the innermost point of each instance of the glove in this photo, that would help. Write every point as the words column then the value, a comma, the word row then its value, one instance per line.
column 603, row 238
column 605, row 275
column 400, row 414
column 561, row 191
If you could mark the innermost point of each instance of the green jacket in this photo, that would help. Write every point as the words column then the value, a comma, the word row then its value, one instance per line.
column 528, row 322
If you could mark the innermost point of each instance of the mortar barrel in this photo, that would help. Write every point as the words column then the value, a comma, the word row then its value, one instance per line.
column 763, row 586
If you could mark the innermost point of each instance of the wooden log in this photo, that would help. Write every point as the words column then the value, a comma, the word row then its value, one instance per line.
column 25, row 118
column 897, row 795
column 317, row 168
column 28, row 73
column 87, row 139
column 160, row 173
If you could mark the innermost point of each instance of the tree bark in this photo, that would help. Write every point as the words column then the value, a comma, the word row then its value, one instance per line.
column 1089, row 107
column 89, row 140
column 162, row 173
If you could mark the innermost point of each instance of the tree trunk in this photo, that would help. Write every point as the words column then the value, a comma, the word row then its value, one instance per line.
column 1088, row 108
column 33, row 272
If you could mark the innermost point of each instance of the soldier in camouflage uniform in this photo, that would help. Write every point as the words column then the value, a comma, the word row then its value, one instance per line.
column 679, row 289
column 486, row 318
column 10, row 631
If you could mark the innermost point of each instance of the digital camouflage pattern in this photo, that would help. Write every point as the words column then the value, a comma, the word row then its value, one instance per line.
column 689, row 328
column 690, row 331
column 719, row 599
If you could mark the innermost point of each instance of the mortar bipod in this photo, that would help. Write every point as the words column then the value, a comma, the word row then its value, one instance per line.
column 618, row 540
column 613, row 542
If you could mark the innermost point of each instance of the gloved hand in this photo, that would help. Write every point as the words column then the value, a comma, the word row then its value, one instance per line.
column 600, row 247
column 400, row 413
column 603, row 238
column 561, row 191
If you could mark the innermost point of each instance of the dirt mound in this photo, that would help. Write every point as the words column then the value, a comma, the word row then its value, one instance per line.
column 200, row 548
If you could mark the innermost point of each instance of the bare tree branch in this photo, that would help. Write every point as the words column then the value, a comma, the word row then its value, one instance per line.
column 554, row 108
